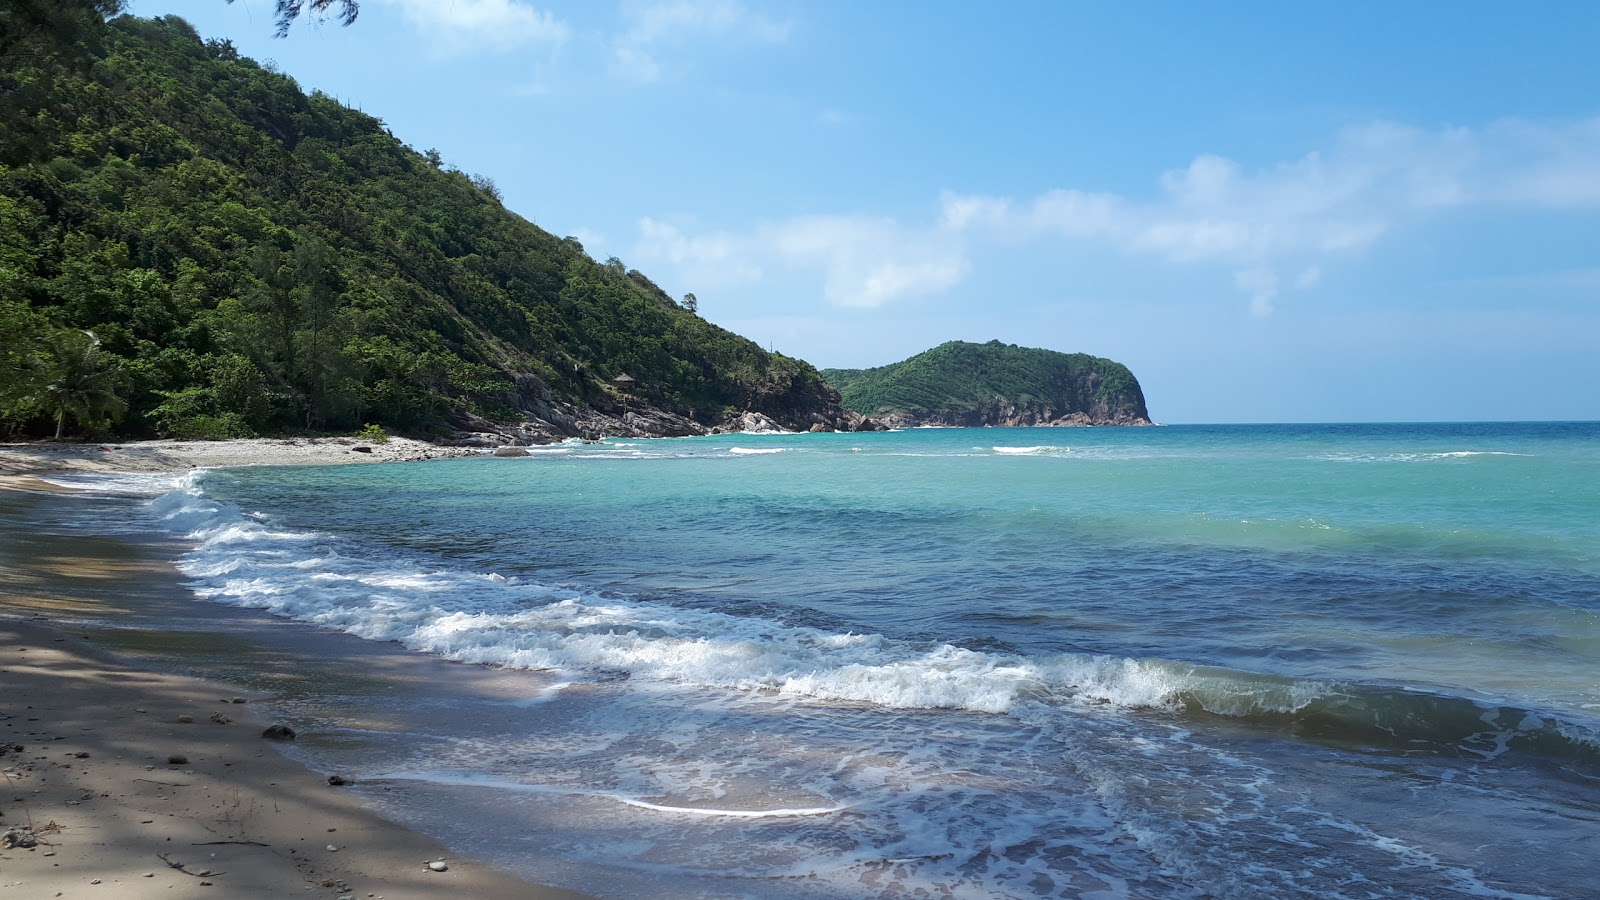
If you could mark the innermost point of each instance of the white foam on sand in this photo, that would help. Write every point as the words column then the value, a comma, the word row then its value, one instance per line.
column 124, row 484
column 466, row 779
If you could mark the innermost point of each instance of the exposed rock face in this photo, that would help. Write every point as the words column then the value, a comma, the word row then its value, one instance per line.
column 755, row 423
column 548, row 420
column 1004, row 414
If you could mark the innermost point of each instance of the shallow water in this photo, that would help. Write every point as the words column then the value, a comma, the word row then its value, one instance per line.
column 1184, row 661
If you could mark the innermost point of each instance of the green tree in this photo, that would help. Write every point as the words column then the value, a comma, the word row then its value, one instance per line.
column 54, row 23
column 254, row 258
column 23, row 364
column 81, row 383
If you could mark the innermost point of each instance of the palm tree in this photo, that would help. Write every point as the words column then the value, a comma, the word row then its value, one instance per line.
column 80, row 384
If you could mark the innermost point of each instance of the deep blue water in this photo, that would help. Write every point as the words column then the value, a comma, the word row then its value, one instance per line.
column 1342, row 660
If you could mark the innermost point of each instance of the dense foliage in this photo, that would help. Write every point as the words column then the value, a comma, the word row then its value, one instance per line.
column 192, row 246
column 959, row 377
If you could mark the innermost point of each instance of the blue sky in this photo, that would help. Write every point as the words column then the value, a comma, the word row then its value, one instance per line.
column 1270, row 212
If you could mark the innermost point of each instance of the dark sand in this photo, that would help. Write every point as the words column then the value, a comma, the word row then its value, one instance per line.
column 87, row 695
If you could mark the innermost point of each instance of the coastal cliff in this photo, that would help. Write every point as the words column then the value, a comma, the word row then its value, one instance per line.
column 973, row 385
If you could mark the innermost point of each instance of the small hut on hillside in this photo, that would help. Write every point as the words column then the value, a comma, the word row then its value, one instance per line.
column 624, row 383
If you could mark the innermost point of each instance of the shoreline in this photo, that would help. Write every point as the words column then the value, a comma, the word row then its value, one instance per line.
column 176, row 456
column 88, row 729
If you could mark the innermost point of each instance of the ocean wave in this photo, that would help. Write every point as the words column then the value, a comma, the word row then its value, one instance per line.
column 249, row 560
column 1032, row 451
column 754, row 451
column 1431, row 456
column 125, row 484
column 1405, row 719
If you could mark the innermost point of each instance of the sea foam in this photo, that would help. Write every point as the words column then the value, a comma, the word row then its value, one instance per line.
column 250, row 560
column 373, row 592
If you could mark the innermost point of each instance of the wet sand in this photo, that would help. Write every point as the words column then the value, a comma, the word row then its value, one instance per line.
column 92, row 721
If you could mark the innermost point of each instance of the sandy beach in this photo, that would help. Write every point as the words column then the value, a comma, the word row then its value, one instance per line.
column 128, row 782
column 173, row 456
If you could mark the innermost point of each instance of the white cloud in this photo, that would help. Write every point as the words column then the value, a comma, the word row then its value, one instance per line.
column 1299, row 215
column 966, row 211
column 652, row 25
column 1262, row 286
column 862, row 261
column 590, row 239
column 869, row 262
column 713, row 259
column 1076, row 213
column 1564, row 172
column 462, row 25
column 1274, row 230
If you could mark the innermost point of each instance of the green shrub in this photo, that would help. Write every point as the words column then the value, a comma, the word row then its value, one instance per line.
column 373, row 433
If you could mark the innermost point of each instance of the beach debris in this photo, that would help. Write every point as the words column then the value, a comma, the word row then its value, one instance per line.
column 360, row 449
column 185, row 720
column 278, row 733
column 220, row 719
column 177, row 759
column 240, row 700
column 203, row 873
column 82, row 754
column 19, row 838
column 438, row 865
column 340, row 780
column 333, row 848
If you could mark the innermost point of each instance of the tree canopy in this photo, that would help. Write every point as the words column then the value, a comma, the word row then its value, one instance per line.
column 958, row 377
column 250, row 258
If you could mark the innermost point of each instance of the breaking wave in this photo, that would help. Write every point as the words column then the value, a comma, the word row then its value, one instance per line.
column 248, row 560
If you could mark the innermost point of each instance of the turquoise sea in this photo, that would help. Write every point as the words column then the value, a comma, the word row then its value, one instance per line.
column 1184, row 661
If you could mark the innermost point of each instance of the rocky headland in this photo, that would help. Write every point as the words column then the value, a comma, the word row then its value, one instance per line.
column 961, row 384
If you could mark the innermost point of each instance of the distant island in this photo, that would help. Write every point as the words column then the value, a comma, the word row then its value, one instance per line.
column 971, row 385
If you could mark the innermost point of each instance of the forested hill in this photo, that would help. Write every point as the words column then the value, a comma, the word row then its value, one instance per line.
column 190, row 245
column 960, row 383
